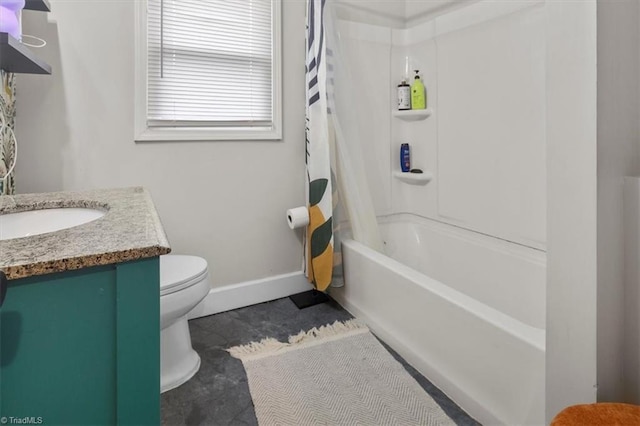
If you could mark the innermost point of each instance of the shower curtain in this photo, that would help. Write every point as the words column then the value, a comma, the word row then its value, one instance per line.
column 7, row 147
column 333, row 154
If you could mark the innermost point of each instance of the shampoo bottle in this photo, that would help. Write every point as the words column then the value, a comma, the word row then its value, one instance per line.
column 404, row 96
column 418, row 94
column 405, row 158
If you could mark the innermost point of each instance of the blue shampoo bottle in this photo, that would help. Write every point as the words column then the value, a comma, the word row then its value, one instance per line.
column 405, row 157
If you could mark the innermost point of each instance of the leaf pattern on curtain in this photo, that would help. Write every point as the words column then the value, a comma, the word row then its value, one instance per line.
column 319, row 238
column 7, row 153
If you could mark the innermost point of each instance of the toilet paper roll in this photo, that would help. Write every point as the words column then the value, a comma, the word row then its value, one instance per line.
column 298, row 217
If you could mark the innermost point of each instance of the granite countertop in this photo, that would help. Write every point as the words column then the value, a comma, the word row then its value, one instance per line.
column 129, row 230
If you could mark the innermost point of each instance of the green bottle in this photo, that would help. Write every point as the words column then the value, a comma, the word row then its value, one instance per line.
column 418, row 94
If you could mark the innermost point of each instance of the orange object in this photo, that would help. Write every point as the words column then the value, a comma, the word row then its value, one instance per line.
column 601, row 413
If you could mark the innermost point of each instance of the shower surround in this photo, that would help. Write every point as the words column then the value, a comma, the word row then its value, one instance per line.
column 460, row 287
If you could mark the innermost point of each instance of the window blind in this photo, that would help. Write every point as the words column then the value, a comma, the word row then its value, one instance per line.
column 209, row 63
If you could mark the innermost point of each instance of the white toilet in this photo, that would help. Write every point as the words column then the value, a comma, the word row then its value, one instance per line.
column 184, row 282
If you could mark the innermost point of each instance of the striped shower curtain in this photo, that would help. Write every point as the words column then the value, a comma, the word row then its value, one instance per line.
column 322, row 261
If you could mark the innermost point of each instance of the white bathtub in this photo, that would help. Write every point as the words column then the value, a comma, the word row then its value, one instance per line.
column 465, row 309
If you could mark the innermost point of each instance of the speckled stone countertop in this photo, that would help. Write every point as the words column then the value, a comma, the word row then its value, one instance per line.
column 129, row 230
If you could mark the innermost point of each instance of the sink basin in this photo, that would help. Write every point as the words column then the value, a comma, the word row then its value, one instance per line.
column 35, row 222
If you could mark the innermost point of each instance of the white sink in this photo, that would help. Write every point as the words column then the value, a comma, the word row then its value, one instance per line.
column 35, row 222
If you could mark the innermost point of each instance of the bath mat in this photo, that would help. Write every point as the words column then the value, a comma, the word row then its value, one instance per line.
column 333, row 375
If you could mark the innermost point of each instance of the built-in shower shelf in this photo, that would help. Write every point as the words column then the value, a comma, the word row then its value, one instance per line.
column 414, row 178
column 413, row 114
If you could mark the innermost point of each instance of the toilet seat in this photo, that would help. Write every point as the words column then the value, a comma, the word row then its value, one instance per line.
column 178, row 272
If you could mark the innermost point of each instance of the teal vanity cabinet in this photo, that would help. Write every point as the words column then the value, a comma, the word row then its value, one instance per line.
column 80, row 324
column 83, row 347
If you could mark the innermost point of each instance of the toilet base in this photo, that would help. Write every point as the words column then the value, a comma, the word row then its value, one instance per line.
column 178, row 361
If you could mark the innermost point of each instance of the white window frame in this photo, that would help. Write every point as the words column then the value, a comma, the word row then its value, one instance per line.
column 144, row 133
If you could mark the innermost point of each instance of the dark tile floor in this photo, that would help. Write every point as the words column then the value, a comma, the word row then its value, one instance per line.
column 219, row 394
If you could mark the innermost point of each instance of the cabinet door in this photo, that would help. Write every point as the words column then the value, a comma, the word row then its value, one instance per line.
column 58, row 348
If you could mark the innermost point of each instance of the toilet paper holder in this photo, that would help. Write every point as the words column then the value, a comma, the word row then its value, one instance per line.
column 298, row 217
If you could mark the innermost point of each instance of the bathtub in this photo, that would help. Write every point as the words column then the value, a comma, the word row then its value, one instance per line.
column 465, row 309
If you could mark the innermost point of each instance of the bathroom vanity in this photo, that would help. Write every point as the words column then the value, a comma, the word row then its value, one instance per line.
column 80, row 325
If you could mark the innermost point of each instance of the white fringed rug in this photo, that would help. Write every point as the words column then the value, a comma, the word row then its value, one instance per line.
column 333, row 375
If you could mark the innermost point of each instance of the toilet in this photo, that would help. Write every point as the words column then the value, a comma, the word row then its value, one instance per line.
column 184, row 282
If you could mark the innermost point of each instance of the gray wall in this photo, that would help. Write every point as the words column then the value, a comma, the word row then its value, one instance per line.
column 221, row 200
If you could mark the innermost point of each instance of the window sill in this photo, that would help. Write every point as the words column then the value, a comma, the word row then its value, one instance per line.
column 184, row 134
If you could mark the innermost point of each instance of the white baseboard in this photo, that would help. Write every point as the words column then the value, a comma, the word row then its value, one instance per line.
column 249, row 293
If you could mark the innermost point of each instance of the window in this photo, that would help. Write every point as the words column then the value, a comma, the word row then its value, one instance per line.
column 208, row 70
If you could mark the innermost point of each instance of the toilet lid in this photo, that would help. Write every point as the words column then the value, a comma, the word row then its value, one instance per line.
column 180, row 271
